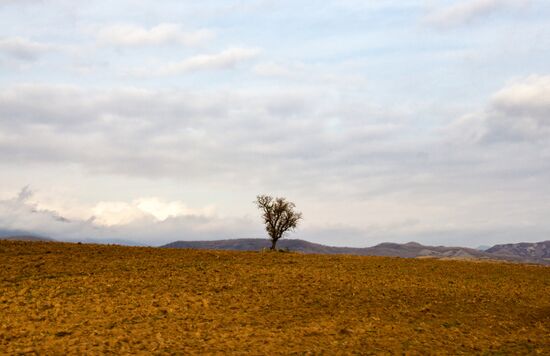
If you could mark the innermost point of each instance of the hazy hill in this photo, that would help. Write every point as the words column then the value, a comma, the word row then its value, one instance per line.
column 258, row 244
column 26, row 238
column 410, row 250
column 105, row 241
column 413, row 249
column 536, row 251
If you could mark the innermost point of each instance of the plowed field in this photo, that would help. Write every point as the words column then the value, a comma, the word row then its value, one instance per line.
column 60, row 298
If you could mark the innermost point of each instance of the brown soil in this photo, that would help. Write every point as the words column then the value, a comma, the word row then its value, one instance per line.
column 60, row 298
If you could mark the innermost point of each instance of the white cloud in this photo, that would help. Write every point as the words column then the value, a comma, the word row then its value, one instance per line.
column 226, row 59
column 22, row 49
column 116, row 213
column 21, row 213
column 519, row 112
column 530, row 96
column 464, row 11
column 162, row 210
column 164, row 33
column 111, row 213
column 144, row 220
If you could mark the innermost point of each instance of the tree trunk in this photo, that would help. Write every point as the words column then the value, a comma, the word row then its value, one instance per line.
column 273, row 243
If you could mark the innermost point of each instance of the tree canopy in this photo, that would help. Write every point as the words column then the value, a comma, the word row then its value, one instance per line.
column 279, row 216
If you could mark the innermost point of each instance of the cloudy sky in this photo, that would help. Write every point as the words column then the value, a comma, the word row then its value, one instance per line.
column 386, row 120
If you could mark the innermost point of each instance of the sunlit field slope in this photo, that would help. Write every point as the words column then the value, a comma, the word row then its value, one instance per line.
column 70, row 298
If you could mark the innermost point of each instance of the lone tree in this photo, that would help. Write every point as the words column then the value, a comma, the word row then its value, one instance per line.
column 279, row 216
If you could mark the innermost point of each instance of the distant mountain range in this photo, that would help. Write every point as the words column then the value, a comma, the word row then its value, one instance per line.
column 538, row 252
column 522, row 252
column 26, row 238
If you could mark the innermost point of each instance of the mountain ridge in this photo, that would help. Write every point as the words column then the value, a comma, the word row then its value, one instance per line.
column 27, row 237
column 536, row 250
column 508, row 252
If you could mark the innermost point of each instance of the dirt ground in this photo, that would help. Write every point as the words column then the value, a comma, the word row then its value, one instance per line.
column 60, row 298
